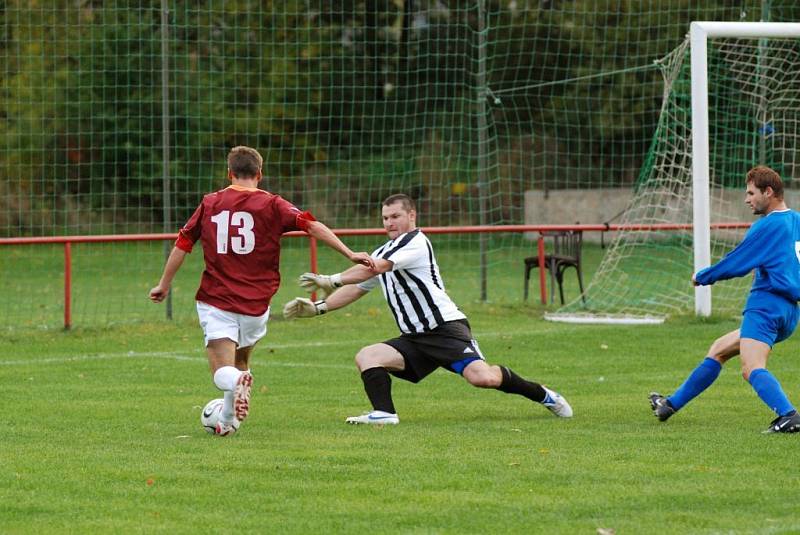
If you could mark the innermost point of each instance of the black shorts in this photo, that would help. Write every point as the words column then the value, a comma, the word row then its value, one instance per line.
column 449, row 346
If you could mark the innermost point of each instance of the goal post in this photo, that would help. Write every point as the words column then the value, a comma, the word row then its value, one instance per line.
column 731, row 101
column 699, row 33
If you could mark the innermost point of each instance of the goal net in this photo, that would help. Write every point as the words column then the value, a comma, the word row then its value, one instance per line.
column 116, row 116
column 753, row 114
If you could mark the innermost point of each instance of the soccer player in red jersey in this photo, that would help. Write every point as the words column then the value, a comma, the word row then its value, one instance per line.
column 240, row 229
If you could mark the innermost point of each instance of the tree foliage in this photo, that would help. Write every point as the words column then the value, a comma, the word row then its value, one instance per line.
column 315, row 84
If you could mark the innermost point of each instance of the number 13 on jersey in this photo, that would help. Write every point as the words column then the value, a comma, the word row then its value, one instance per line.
column 244, row 241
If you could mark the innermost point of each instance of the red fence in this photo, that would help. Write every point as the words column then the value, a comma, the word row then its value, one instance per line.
column 541, row 229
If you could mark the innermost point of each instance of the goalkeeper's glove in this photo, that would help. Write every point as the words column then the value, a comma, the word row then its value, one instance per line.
column 327, row 284
column 300, row 307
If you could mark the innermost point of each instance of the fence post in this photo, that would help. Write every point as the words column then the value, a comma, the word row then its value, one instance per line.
column 483, row 146
column 312, row 250
column 165, row 141
column 67, row 285
column 540, row 254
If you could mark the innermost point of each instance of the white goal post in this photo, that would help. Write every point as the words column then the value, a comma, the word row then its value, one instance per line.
column 731, row 101
column 700, row 32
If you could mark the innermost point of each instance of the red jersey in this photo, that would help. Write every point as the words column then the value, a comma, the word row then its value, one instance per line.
column 240, row 230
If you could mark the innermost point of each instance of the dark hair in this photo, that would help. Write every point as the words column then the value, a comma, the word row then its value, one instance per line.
column 763, row 177
column 244, row 162
column 408, row 202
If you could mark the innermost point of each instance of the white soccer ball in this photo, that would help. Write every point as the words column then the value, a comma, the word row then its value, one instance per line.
column 211, row 414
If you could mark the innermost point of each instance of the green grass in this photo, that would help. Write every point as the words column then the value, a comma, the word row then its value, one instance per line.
column 102, row 426
column 102, row 435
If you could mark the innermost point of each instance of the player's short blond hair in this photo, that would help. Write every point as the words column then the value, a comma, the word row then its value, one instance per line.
column 762, row 177
column 244, row 162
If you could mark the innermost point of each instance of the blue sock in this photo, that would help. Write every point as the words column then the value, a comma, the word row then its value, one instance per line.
column 769, row 390
column 701, row 378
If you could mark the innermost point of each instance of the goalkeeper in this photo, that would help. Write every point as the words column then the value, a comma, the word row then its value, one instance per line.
column 772, row 248
column 435, row 333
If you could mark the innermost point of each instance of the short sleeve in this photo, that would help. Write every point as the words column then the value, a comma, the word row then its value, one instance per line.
column 373, row 282
column 287, row 214
column 190, row 232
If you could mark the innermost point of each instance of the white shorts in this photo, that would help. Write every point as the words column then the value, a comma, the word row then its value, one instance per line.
column 242, row 329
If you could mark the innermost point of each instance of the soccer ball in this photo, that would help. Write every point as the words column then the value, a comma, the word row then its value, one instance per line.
column 210, row 416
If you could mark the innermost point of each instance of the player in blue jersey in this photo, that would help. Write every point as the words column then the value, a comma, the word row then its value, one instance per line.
column 771, row 247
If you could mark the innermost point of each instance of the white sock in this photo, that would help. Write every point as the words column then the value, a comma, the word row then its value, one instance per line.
column 227, row 407
column 225, row 378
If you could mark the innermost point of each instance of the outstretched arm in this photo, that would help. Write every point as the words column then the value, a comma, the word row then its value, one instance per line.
column 756, row 247
column 174, row 262
column 300, row 307
column 344, row 297
column 327, row 284
column 356, row 274
column 321, row 232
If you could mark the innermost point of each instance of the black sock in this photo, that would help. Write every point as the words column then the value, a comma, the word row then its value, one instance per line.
column 514, row 384
column 378, row 386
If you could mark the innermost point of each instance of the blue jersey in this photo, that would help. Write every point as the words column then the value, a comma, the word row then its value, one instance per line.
column 771, row 247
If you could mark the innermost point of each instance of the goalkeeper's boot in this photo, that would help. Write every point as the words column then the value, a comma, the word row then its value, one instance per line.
column 661, row 406
column 556, row 404
column 241, row 396
column 375, row 418
column 785, row 424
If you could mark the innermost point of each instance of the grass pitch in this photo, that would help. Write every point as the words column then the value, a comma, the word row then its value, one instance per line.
column 102, row 435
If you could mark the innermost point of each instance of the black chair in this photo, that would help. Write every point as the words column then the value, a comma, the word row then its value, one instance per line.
column 564, row 251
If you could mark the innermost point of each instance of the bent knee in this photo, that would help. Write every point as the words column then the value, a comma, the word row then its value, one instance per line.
column 374, row 356
column 747, row 371
column 722, row 351
column 482, row 379
column 725, row 347
column 363, row 358
column 483, row 382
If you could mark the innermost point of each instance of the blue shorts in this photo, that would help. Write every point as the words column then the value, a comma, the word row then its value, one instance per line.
column 768, row 318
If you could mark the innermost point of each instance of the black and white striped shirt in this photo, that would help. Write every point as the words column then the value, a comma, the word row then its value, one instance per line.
column 413, row 289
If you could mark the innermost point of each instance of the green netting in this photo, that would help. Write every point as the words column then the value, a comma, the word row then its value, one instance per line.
column 753, row 115
column 485, row 111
